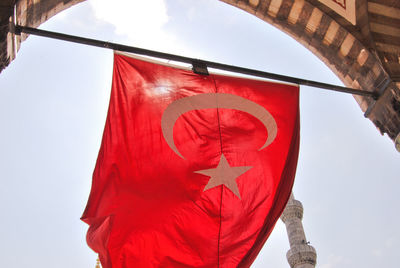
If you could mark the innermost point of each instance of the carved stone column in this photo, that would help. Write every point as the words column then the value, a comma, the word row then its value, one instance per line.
column 300, row 254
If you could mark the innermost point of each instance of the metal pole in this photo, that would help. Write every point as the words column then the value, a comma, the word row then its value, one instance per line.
column 18, row 29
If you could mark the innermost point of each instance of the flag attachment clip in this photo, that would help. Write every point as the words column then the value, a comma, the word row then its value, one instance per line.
column 199, row 67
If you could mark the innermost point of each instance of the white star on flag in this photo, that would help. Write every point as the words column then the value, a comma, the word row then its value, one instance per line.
column 224, row 174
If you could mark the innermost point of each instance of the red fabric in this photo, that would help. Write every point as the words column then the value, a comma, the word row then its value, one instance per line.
column 147, row 206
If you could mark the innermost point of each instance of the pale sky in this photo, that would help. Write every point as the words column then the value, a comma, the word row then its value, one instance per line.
column 53, row 104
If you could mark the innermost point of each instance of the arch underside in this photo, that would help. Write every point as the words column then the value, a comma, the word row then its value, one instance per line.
column 350, row 51
column 364, row 56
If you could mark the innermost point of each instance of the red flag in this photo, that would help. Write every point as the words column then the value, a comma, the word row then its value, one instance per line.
column 193, row 170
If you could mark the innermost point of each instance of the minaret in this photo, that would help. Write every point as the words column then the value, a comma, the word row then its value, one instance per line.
column 300, row 254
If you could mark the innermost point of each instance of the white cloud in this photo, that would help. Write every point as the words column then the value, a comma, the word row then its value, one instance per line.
column 377, row 252
column 390, row 242
column 141, row 23
column 334, row 261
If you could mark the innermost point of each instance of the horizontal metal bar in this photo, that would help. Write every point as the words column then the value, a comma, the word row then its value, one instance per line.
column 18, row 29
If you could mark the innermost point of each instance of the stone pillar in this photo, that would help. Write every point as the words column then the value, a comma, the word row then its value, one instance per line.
column 300, row 254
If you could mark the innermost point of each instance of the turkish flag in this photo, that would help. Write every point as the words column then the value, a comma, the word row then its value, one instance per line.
column 193, row 170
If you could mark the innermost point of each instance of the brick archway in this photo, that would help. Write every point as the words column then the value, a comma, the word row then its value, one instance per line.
column 350, row 51
column 355, row 64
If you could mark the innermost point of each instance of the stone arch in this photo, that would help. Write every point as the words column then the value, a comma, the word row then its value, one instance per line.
column 351, row 54
column 356, row 65
column 30, row 13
